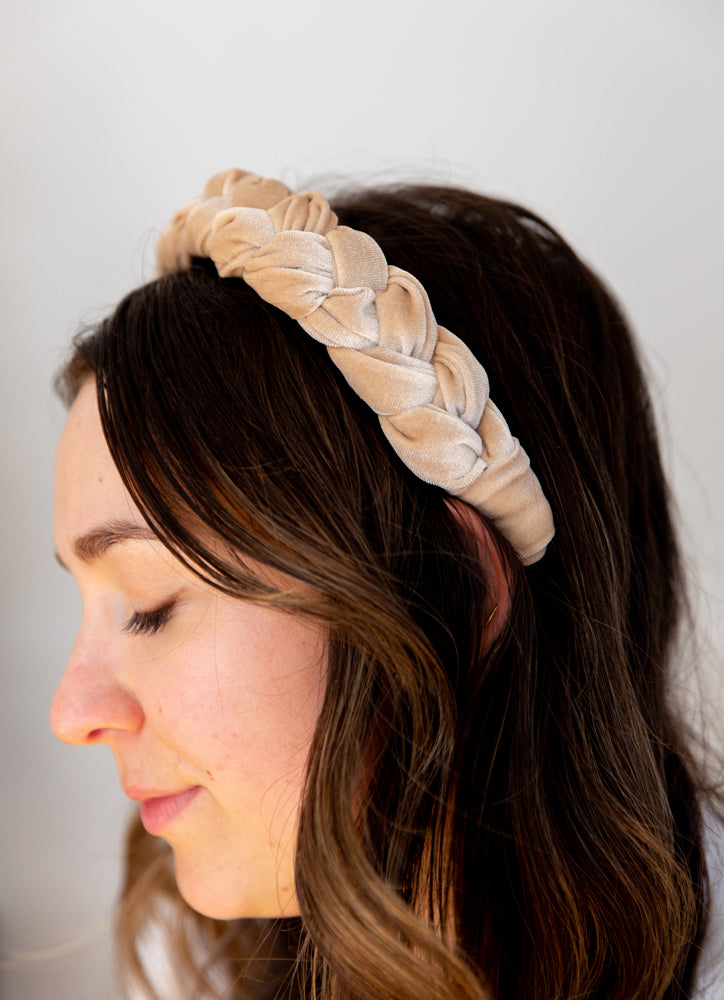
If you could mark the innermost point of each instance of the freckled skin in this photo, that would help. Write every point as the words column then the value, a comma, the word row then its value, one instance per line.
column 224, row 695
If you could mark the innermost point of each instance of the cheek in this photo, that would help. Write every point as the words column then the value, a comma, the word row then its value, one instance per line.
column 251, row 712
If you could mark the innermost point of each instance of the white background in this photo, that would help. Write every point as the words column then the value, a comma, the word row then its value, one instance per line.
column 606, row 117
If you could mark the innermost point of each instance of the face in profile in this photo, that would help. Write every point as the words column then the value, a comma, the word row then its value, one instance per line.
column 207, row 702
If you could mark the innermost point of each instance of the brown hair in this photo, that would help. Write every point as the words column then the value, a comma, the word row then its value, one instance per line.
column 528, row 825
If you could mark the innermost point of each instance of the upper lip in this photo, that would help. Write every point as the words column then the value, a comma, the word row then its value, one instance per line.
column 139, row 794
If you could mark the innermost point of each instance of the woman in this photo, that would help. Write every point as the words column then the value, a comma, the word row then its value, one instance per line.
column 392, row 736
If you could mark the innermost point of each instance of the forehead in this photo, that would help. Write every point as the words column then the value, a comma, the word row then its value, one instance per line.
column 88, row 487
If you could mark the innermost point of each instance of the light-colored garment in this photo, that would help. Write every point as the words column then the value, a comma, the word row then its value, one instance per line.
column 710, row 980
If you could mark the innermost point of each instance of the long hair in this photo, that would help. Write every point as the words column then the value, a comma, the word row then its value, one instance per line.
column 518, row 821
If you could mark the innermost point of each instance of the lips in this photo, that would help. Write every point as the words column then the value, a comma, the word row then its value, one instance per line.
column 159, row 810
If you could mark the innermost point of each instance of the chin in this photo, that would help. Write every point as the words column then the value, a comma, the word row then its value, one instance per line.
column 217, row 896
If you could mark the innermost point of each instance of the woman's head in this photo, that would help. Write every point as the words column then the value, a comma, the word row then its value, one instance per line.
column 444, row 757
column 269, row 479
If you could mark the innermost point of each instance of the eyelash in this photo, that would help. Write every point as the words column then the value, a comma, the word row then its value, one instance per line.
column 148, row 622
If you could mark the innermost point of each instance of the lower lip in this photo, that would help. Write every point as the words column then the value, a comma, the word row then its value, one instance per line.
column 156, row 814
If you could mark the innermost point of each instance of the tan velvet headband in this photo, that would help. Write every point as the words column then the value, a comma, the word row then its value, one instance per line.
column 429, row 391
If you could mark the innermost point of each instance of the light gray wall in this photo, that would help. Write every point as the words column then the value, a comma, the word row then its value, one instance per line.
column 604, row 116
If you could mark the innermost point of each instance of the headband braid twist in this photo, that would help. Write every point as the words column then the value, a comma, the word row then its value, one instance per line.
column 429, row 391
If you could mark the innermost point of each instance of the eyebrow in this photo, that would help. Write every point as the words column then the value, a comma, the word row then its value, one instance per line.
column 96, row 542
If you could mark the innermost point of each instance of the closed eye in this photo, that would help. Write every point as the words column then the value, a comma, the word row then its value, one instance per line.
column 148, row 622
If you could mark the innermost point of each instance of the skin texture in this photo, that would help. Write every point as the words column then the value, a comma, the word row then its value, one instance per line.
column 219, row 695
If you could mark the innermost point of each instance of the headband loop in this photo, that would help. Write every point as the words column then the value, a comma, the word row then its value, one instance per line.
column 428, row 389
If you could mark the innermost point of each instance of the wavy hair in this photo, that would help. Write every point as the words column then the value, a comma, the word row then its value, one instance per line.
column 518, row 822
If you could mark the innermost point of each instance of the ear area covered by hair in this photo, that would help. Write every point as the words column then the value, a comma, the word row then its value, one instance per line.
column 496, row 569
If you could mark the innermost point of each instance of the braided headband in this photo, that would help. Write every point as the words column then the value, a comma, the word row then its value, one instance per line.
column 429, row 391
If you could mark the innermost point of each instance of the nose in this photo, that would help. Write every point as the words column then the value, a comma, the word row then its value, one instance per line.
column 90, row 704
